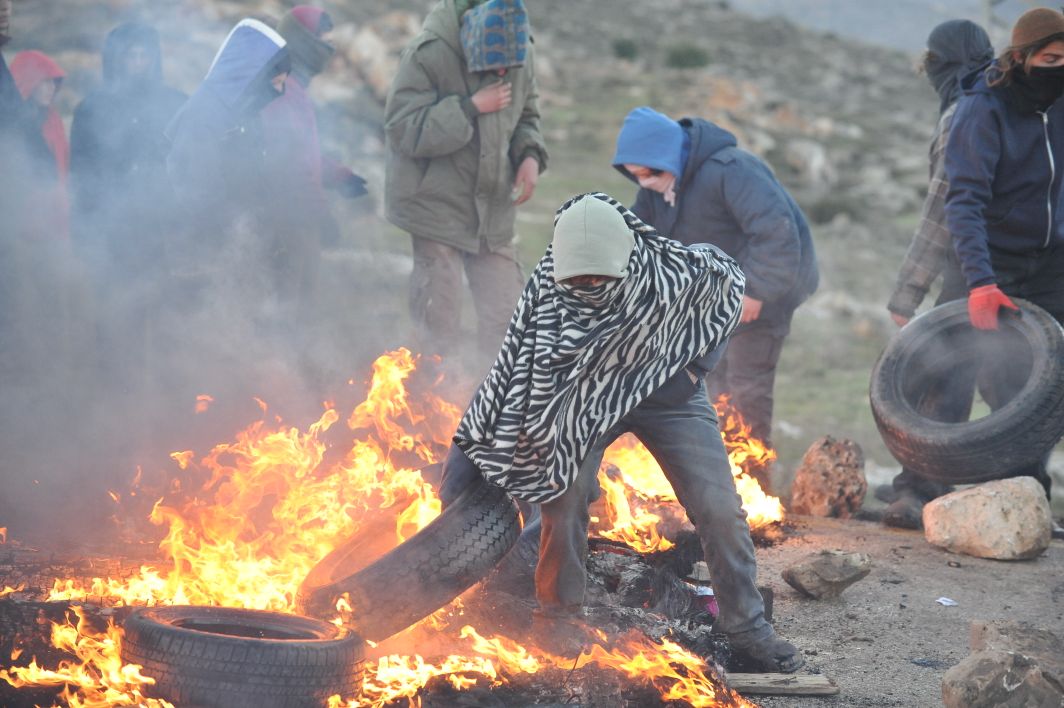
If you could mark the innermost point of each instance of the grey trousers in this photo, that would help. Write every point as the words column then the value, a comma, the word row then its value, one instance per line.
column 495, row 279
column 679, row 427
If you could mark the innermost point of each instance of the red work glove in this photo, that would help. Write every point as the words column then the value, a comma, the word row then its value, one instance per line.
column 983, row 305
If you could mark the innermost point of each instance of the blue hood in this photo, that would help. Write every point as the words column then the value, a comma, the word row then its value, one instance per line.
column 250, row 52
column 650, row 139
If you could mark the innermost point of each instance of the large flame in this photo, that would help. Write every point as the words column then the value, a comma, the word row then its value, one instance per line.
column 267, row 508
column 638, row 497
column 246, row 522
column 96, row 677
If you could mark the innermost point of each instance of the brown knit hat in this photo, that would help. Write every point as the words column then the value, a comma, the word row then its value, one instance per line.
column 1036, row 25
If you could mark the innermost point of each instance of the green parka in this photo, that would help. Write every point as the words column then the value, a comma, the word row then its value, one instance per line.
column 450, row 170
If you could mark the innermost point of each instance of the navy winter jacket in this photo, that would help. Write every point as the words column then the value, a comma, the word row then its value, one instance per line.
column 1005, row 190
column 728, row 197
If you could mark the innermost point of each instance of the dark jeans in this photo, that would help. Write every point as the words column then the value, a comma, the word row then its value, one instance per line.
column 747, row 374
column 679, row 427
column 948, row 399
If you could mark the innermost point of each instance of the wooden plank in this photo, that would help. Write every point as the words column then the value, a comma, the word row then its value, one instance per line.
column 782, row 684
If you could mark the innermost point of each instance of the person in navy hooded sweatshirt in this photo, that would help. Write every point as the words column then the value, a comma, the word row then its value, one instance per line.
column 216, row 158
column 1005, row 205
column 698, row 186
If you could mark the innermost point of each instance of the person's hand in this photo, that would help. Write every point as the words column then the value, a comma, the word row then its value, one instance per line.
column 984, row 303
column 526, row 179
column 900, row 320
column 751, row 309
column 493, row 97
column 352, row 186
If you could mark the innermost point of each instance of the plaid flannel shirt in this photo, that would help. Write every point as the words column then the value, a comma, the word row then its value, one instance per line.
column 931, row 243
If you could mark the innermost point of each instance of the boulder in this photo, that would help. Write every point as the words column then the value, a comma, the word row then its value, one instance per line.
column 1039, row 644
column 830, row 480
column 1008, row 519
column 997, row 678
column 827, row 573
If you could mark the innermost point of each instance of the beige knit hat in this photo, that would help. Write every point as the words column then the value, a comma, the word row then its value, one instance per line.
column 592, row 238
column 1036, row 25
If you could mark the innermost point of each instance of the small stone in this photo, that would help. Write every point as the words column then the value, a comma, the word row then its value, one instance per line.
column 826, row 574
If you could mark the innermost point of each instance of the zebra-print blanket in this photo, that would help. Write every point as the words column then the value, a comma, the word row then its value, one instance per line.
column 568, row 369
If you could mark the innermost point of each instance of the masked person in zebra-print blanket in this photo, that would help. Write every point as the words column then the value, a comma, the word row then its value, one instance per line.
column 614, row 333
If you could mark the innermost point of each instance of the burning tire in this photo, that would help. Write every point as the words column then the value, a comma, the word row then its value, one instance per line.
column 942, row 343
column 219, row 657
column 421, row 575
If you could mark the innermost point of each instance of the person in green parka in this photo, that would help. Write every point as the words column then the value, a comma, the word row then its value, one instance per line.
column 464, row 150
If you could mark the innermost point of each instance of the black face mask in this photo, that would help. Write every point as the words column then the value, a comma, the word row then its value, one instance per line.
column 1037, row 90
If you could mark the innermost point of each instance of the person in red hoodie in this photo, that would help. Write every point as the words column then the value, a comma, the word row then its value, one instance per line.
column 38, row 79
column 295, row 161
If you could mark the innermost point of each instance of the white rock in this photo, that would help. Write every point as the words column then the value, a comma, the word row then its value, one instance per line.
column 1008, row 519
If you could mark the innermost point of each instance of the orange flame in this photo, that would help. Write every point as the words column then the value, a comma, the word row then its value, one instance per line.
column 8, row 590
column 3, row 534
column 268, row 508
column 643, row 486
column 97, row 678
column 203, row 402
column 258, row 512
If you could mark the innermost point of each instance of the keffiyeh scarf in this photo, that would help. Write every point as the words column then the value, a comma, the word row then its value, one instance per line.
column 574, row 363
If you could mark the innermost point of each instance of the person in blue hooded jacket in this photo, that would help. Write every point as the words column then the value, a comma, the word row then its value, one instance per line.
column 1005, row 206
column 215, row 163
column 697, row 185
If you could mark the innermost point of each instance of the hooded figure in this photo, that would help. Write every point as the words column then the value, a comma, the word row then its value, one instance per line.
column 295, row 163
column 118, row 149
column 38, row 78
column 957, row 50
column 464, row 150
column 697, row 185
column 613, row 335
column 215, row 161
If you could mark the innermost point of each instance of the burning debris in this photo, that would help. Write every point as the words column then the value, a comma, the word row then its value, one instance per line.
column 243, row 525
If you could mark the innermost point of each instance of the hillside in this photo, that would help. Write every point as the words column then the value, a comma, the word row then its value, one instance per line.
column 845, row 125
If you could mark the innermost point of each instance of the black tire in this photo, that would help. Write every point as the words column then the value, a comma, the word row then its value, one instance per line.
column 421, row 575
column 221, row 657
column 941, row 342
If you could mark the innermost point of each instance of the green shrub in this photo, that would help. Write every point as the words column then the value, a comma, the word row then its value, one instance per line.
column 625, row 48
column 686, row 56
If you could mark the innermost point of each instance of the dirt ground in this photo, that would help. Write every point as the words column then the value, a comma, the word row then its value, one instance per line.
column 886, row 641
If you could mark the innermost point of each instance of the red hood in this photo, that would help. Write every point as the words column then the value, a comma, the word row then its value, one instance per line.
column 30, row 68
column 309, row 17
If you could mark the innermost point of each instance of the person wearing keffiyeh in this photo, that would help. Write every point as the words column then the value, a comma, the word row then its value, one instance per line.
column 614, row 333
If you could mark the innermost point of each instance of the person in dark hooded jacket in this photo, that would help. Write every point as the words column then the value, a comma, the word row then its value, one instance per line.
column 215, row 163
column 118, row 152
column 295, row 163
column 956, row 49
column 697, row 186
column 1005, row 205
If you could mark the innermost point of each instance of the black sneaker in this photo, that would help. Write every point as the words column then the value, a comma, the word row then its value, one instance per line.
column 905, row 512
column 885, row 493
